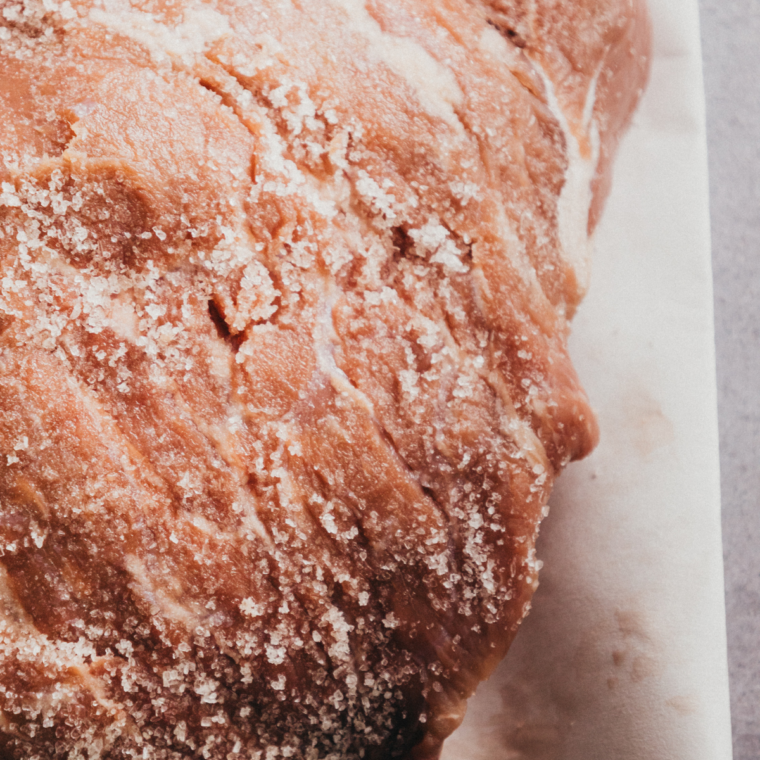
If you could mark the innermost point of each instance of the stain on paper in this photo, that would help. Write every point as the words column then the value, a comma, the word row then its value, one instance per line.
column 650, row 428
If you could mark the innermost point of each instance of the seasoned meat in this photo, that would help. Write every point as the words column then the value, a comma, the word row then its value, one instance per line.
column 284, row 383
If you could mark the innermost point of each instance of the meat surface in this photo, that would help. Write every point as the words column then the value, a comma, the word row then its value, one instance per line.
column 284, row 383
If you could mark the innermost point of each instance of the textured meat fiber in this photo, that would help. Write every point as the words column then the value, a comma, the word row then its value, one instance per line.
column 284, row 302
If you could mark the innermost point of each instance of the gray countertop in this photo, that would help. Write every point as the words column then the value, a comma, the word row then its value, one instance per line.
column 731, row 52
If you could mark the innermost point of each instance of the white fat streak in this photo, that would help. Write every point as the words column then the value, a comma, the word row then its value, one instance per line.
column 576, row 196
column 182, row 614
column 200, row 27
column 325, row 339
column 435, row 85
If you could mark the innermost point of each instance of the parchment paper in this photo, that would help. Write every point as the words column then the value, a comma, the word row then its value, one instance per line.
column 624, row 655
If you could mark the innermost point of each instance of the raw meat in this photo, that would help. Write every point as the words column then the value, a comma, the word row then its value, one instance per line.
column 284, row 302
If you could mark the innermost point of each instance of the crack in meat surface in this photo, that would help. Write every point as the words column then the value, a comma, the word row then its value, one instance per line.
column 284, row 386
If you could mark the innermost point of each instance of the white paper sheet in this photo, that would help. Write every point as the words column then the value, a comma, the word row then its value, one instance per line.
column 624, row 654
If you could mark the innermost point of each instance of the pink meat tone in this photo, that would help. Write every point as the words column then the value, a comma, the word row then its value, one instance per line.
column 284, row 383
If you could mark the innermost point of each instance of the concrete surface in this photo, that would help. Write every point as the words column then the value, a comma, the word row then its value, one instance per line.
column 731, row 52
